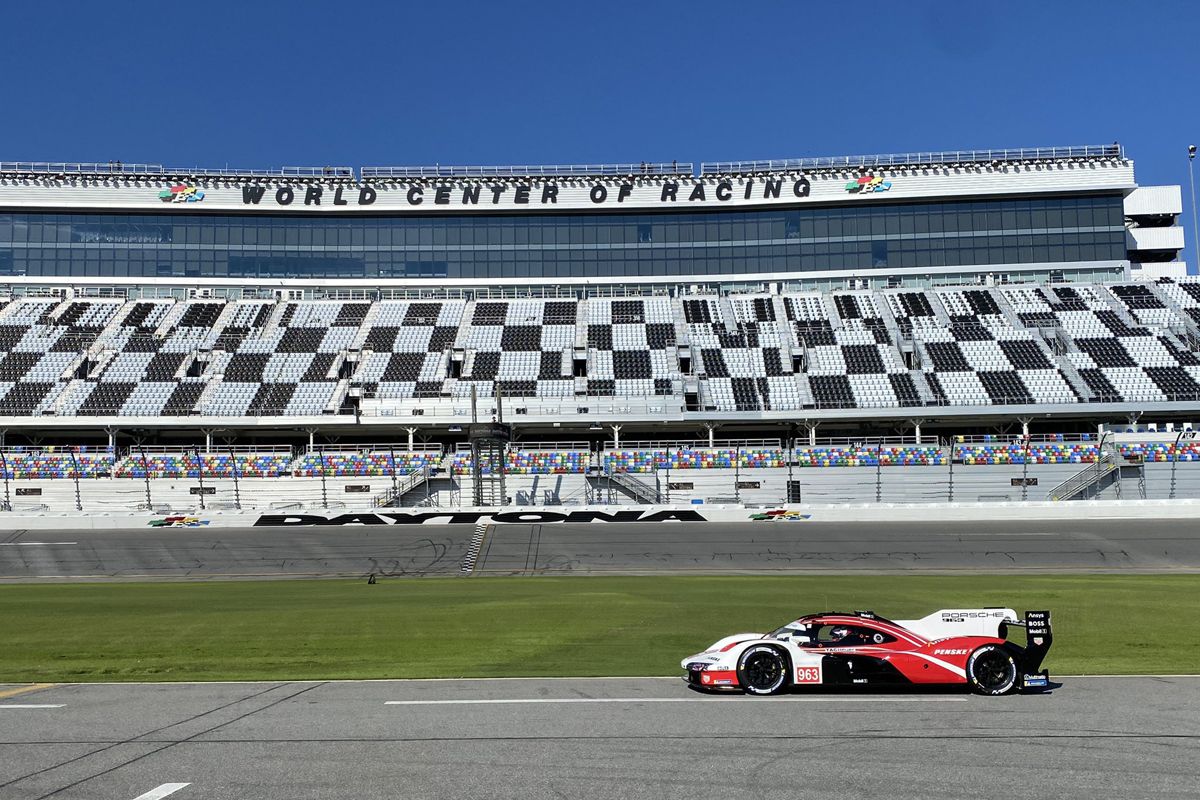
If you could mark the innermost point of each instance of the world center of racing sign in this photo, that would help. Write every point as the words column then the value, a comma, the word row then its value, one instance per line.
column 177, row 194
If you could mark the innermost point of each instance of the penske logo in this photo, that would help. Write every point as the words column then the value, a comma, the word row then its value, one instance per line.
column 950, row 652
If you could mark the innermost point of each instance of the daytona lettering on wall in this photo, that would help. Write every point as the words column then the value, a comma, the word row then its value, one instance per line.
column 471, row 518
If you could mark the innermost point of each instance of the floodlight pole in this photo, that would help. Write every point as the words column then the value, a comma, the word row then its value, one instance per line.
column 1192, row 181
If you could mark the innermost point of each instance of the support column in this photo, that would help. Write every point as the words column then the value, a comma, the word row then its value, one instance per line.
column 616, row 432
column 812, row 432
column 112, row 438
column 710, row 427
column 1024, row 426
column 208, row 439
column 411, row 433
column 312, row 441
column 917, row 423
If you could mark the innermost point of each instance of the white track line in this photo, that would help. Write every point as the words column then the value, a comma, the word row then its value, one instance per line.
column 31, row 544
column 540, row 700
column 161, row 791
column 31, row 705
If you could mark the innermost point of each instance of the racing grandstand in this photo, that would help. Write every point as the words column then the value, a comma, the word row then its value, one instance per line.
column 975, row 325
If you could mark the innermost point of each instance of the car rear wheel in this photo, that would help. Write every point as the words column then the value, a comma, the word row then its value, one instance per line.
column 762, row 670
column 991, row 670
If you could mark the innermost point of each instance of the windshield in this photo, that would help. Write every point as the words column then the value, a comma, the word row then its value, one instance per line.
column 796, row 631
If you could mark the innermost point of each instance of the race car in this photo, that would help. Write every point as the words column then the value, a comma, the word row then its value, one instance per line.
column 834, row 648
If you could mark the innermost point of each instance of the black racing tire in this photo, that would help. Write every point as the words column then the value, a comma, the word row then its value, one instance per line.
column 992, row 670
column 763, row 670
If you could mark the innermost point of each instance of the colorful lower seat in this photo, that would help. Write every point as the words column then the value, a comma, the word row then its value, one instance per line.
column 867, row 455
column 532, row 462
column 363, row 465
column 1162, row 451
column 693, row 458
column 1038, row 453
column 216, row 465
column 56, row 463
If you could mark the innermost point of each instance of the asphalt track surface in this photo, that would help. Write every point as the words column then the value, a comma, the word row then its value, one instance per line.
column 599, row 738
column 603, row 548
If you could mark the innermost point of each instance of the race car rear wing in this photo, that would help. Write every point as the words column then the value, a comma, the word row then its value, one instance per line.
column 1038, row 637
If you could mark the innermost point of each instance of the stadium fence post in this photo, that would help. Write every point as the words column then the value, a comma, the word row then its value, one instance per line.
column 950, row 461
column 1188, row 435
column 7, row 496
column 237, row 492
column 324, row 495
column 75, row 477
column 395, row 484
column 787, row 498
column 737, row 474
column 668, row 474
column 879, row 470
column 1025, row 471
column 200, row 475
column 146, row 475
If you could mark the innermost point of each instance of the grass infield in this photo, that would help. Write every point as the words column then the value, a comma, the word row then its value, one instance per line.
column 576, row 626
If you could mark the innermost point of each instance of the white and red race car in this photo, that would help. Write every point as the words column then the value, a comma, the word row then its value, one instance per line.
column 951, row 646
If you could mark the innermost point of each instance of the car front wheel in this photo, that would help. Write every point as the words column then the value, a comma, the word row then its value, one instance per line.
column 991, row 670
column 762, row 670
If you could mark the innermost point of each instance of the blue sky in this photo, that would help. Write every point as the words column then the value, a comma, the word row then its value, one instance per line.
column 262, row 84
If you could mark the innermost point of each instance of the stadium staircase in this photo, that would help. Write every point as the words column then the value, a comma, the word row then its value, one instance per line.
column 405, row 484
column 638, row 489
column 1109, row 470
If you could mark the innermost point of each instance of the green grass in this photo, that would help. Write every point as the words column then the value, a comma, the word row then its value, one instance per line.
column 430, row 628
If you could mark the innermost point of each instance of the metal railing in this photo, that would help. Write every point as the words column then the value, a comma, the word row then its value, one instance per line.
column 905, row 159
column 120, row 168
column 530, row 170
column 647, row 168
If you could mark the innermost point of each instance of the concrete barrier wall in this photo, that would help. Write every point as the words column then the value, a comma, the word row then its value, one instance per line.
column 881, row 513
column 832, row 485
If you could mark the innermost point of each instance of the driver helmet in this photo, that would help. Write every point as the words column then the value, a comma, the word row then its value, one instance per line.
column 839, row 634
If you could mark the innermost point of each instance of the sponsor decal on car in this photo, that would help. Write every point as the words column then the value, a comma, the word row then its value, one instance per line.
column 963, row 616
column 178, row 522
column 955, row 651
column 808, row 674
column 780, row 514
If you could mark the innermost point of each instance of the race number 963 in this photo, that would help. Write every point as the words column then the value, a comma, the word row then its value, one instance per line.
column 808, row 674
